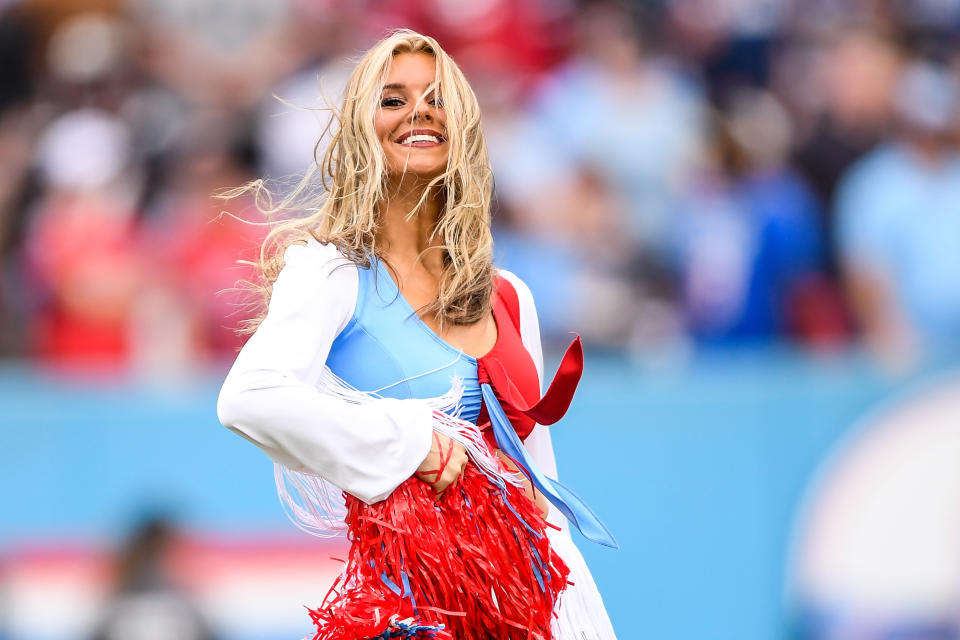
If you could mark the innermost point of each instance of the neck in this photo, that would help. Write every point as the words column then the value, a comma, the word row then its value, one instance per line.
column 405, row 239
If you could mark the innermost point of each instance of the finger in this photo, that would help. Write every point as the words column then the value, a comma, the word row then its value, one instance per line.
column 456, row 481
column 459, row 476
column 430, row 476
column 449, row 477
column 441, row 484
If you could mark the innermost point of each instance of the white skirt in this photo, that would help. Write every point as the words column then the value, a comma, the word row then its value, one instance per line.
column 580, row 611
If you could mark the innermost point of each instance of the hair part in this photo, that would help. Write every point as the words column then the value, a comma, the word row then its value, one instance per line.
column 338, row 200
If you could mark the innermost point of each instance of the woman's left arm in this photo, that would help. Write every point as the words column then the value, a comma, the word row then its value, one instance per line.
column 581, row 612
column 538, row 443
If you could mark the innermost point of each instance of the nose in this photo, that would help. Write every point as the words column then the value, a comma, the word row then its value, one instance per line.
column 422, row 111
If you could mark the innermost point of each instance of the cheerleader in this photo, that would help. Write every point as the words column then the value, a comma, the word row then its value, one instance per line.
column 395, row 378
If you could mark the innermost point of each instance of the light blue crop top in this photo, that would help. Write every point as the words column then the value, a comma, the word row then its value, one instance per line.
column 388, row 350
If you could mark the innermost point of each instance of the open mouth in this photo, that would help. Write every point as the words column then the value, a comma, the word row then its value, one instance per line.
column 420, row 138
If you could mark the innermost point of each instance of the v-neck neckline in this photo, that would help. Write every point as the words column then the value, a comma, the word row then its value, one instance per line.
column 382, row 270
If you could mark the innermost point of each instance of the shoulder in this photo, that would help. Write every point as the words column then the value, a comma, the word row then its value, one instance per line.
column 876, row 172
column 315, row 265
column 315, row 278
column 871, row 193
column 315, row 255
column 529, row 323
column 525, row 297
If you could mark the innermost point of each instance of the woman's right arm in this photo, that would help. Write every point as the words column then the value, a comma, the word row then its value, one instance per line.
column 270, row 397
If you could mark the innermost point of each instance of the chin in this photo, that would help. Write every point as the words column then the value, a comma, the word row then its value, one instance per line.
column 425, row 173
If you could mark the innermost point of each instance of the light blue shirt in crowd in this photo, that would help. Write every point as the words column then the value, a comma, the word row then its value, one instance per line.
column 900, row 214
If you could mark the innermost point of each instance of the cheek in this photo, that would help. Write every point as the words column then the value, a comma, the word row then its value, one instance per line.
column 381, row 128
column 384, row 124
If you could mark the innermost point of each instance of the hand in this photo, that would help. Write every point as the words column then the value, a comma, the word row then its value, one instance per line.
column 444, row 464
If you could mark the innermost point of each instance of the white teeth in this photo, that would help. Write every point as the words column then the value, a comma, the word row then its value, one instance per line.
column 420, row 137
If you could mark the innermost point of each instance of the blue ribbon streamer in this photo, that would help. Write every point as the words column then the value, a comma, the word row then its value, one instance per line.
column 570, row 504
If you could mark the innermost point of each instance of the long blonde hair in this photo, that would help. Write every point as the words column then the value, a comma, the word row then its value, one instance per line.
column 343, row 208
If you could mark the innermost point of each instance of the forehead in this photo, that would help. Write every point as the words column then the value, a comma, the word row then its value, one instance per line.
column 412, row 70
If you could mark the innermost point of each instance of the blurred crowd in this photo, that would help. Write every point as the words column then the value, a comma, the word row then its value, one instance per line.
column 670, row 174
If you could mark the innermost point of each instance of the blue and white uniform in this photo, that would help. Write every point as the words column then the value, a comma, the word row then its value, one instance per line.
column 327, row 315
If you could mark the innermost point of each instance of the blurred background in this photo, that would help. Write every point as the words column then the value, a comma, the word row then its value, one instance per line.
column 750, row 209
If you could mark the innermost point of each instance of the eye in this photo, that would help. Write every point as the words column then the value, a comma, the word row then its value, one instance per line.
column 391, row 102
column 436, row 102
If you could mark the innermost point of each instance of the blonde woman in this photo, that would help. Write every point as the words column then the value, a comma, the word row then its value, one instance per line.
column 396, row 372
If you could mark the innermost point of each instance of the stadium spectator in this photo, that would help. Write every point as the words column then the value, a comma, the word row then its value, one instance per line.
column 899, row 223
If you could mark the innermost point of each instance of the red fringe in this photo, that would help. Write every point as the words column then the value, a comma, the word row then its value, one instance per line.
column 477, row 561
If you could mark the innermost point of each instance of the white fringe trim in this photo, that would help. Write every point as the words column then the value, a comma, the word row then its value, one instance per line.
column 317, row 507
column 310, row 502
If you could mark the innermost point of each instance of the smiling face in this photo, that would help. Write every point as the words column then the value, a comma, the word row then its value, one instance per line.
column 410, row 122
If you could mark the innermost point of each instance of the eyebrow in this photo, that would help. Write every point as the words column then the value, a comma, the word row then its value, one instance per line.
column 394, row 85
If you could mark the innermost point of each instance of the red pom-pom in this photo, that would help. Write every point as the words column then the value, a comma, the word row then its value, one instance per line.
column 477, row 561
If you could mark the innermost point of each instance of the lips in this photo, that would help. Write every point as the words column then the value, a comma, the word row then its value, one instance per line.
column 420, row 138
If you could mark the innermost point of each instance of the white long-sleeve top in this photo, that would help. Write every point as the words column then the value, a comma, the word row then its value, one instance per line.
column 272, row 398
